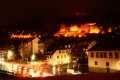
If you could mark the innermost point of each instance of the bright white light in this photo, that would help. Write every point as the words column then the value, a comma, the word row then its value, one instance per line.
column 3, row 59
column 68, row 59
column 54, row 70
column 33, row 57
column 54, row 64
column 10, row 53
column 44, row 74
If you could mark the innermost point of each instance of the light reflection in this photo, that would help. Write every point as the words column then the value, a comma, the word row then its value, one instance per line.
column 54, row 70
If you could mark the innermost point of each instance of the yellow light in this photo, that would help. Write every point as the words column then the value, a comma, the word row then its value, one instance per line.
column 33, row 57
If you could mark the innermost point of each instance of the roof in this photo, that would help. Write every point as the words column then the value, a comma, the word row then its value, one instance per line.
column 107, row 45
column 58, row 45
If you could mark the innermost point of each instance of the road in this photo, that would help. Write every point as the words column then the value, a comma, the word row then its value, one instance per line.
column 23, row 70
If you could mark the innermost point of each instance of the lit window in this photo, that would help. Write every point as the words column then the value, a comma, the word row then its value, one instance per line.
column 68, row 46
column 65, row 46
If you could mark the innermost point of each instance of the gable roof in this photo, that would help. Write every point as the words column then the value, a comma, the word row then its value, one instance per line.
column 107, row 45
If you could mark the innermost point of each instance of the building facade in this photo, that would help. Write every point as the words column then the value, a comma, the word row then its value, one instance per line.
column 104, row 61
column 29, row 47
column 57, row 55
column 104, row 56
column 43, row 45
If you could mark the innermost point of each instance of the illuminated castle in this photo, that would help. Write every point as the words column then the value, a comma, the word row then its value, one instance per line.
column 80, row 31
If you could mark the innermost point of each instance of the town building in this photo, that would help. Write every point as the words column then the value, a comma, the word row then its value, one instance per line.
column 2, row 54
column 44, row 44
column 33, row 46
column 78, row 30
column 104, row 56
column 59, row 53
column 28, row 47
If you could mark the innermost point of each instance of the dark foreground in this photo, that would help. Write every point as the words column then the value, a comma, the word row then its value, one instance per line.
column 92, row 76
column 4, row 75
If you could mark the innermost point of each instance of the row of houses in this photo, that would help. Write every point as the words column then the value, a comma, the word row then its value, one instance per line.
column 57, row 51
column 103, row 55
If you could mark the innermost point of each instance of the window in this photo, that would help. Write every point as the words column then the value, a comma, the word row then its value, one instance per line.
column 59, row 51
column 64, row 56
column 101, row 55
column 57, row 57
column 69, row 46
column 65, row 46
column 61, row 56
column 61, row 62
column 105, row 55
column 92, row 54
column 97, row 54
column 96, row 63
column 116, row 55
column 26, row 49
column 50, row 57
column 66, row 51
column 107, row 63
column 63, row 51
column 110, row 54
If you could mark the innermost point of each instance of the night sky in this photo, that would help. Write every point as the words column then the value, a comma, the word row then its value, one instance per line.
column 12, row 11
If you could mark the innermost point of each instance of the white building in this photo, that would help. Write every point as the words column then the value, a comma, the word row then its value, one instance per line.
column 104, row 57
column 58, row 56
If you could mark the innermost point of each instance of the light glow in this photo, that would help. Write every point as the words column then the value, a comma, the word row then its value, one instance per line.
column 78, row 31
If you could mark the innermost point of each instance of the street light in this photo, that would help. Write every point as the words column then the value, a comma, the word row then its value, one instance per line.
column 9, row 55
column 33, row 57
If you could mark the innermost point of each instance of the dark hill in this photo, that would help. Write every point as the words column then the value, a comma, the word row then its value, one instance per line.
column 51, row 25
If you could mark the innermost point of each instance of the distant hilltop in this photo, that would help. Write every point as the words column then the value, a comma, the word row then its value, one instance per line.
column 51, row 25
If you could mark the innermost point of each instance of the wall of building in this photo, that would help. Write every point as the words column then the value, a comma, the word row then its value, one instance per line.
column 114, row 63
column 2, row 54
column 35, row 45
column 41, row 48
column 28, row 48
column 60, row 57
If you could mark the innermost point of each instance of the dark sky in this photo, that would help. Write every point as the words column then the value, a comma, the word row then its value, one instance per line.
column 12, row 11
